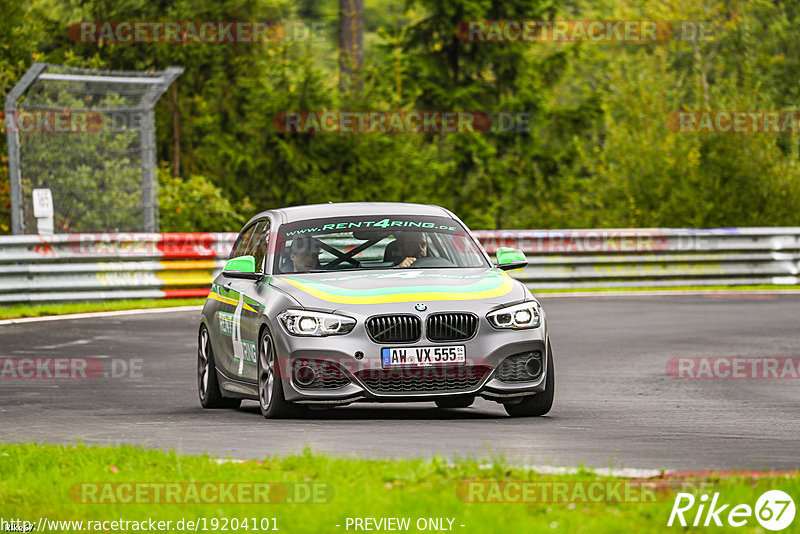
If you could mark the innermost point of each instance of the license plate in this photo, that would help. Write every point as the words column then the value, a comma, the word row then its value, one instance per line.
column 423, row 356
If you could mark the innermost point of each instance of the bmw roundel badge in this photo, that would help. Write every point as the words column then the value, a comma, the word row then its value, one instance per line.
column 420, row 307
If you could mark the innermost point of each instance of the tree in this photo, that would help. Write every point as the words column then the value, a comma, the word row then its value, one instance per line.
column 351, row 45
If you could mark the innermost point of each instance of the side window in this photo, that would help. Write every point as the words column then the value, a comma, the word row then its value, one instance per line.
column 259, row 244
column 242, row 241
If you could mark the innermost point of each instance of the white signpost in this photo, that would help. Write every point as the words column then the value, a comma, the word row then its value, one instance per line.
column 43, row 211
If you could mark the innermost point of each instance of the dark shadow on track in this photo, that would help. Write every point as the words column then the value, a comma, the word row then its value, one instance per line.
column 388, row 411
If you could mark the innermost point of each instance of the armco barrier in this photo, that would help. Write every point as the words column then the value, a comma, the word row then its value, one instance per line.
column 110, row 266
column 152, row 265
column 654, row 257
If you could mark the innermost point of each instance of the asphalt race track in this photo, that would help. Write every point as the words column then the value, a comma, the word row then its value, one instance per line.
column 615, row 403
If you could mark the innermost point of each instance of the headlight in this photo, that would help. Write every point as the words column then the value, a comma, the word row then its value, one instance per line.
column 311, row 323
column 518, row 316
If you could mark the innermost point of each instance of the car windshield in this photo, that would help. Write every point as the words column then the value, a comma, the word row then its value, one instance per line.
column 358, row 243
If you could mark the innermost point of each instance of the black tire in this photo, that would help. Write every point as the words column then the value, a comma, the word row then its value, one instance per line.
column 455, row 402
column 539, row 404
column 270, row 384
column 207, row 384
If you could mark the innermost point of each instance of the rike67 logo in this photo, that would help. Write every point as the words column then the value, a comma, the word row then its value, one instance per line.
column 774, row 510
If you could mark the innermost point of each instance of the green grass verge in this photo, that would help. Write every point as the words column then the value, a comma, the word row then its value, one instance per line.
column 16, row 311
column 44, row 481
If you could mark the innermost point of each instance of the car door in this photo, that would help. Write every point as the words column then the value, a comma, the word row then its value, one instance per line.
column 237, row 352
column 252, row 299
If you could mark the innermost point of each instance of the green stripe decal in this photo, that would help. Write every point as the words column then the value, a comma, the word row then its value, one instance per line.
column 488, row 286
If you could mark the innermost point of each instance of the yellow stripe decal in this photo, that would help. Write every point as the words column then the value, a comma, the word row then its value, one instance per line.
column 232, row 302
column 504, row 288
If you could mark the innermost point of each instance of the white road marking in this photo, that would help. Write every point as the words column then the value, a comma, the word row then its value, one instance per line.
column 624, row 472
column 99, row 314
column 66, row 344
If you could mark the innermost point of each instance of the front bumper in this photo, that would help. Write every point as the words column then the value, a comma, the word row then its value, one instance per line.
column 362, row 377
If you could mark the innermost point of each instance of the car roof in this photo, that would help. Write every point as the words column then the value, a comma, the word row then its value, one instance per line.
column 343, row 209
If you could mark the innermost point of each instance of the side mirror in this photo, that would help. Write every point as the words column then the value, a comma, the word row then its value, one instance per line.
column 510, row 258
column 241, row 267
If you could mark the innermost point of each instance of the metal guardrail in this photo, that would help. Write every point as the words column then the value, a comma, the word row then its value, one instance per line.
column 110, row 266
column 154, row 265
column 561, row 259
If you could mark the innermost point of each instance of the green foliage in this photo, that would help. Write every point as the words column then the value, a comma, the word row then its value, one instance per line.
column 597, row 154
column 24, row 31
column 197, row 205
column 646, row 175
column 5, row 202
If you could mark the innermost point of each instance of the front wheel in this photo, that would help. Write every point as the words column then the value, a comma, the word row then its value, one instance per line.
column 207, row 383
column 539, row 404
column 270, row 388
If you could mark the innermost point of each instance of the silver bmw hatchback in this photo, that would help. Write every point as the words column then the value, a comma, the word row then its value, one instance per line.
column 332, row 304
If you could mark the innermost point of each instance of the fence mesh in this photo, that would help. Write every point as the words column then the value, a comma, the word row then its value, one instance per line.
column 89, row 136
